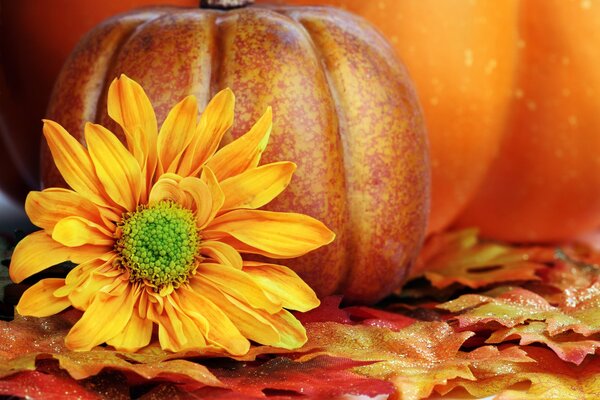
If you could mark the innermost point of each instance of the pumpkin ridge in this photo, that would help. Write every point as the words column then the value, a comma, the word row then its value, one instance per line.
column 342, row 127
column 99, row 107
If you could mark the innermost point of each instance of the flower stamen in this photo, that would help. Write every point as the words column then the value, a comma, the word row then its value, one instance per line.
column 158, row 244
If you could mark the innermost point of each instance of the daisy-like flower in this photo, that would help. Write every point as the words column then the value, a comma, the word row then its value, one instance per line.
column 157, row 229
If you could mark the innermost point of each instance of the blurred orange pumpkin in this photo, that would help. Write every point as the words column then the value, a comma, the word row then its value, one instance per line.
column 344, row 110
column 509, row 91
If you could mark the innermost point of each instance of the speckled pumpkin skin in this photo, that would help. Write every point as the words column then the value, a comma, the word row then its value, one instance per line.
column 344, row 109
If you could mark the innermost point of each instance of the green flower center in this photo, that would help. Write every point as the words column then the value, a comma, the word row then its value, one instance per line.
column 159, row 244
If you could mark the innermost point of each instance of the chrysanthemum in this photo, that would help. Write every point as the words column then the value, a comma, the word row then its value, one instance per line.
column 156, row 229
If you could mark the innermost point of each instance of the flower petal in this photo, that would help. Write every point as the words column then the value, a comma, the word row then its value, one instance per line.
column 272, row 234
column 105, row 318
column 130, row 107
column 283, row 284
column 216, row 194
column 257, row 186
column 216, row 119
column 250, row 323
column 202, row 196
column 86, row 280
column 74, row 163
column 245, row 152
column 237, row 284
column 116, row 168
column 292, row 333
column 136, row 334
column 166, row 188
column 176, row 133
column 177, row 331
column 221, row 331
column 198, row 198
column 49, row 206
column 38, row 251
column 39, row 300
column 221, row 253
column 77, row 231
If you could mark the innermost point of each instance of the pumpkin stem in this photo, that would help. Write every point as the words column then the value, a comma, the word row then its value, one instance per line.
column 225, row 4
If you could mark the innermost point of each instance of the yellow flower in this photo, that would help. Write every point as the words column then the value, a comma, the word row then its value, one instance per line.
column 157, row 228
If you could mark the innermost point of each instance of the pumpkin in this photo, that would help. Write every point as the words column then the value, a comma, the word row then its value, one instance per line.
column 37, row 37
column 509, row 91
column 344, row 110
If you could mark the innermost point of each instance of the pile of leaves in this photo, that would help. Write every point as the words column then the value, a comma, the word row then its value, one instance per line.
column 476, row 319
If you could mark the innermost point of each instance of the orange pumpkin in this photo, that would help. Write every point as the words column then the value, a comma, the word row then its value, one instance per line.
column 461, row 55
column 545, row 184
column 344, row 110
column 37, row 37
column 509, row 91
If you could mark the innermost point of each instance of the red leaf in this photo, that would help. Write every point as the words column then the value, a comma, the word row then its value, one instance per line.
column 321, row 377
column 37, row 385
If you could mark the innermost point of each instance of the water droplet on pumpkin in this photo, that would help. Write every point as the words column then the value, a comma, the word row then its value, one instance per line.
column 586, row 4
column 572, row 120
column 490, row 66
column 434, row 101
column 519, row 93
column 468, row 57
column 532, row 105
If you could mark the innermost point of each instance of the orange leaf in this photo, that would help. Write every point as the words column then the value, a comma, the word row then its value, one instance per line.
column 569, row 346
column 549, row 378
column 460, row 257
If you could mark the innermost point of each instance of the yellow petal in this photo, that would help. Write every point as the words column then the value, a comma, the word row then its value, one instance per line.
column 283, row 284
column 39, row 300
column 176, row 133
column 202, row 196
column 74, row 163
column 272, row 234
column 77, row 231
column 221, row 332
column 116, row 168
column 237, row 284
column 216, row 194
column 136, row 334
column 243, row 153
column 105, row 318
column 86, row 280
column 198, row 198
column 166, row 188
column 250, row 323
column 292, row 333
column 177, row 331
column 216, row 119
column 49, row 206
column 38, row 251
column 257, row 186
column 130, row 107
column 221, row 253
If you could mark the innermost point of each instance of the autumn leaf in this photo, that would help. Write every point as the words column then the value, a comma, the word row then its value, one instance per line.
column 571, row 347
column 321, row 377
column 548, row 377
column 415, row 359
column 460, row 257
column 510, row 307
column 38, row 385
column 26, row 340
